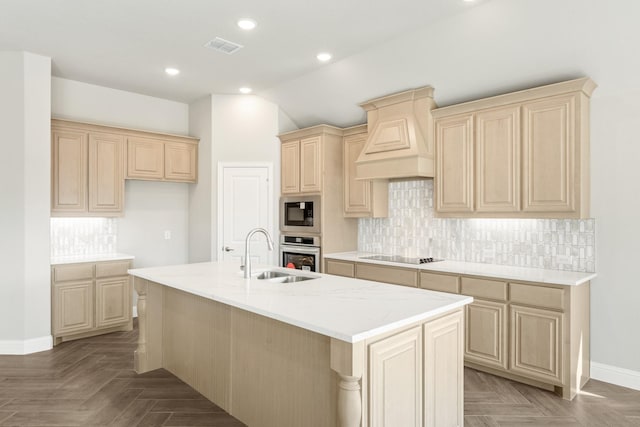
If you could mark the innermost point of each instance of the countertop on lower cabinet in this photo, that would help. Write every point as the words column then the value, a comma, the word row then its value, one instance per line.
column 505, row 272
column 77, row 259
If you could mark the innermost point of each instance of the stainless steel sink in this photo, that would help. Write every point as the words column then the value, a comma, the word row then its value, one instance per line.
column 280, row 277
column 272, row 274
column 292, row 279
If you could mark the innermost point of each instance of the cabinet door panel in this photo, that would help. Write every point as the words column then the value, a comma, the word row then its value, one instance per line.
column 395, row 386
column 180, row 162
column 69, row 171
column 106, row 173
column 290, row 167
column 310, row 165
column 443, row 371
column 548, row 160
column 145, row 158
column 536, row 343
column 454, row 167
column 498, row 160
column 486, row 336
column 357, row 193
column 113, row 298
column 73, row 311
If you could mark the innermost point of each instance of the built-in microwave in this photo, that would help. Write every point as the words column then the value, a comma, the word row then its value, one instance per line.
column 300, row 214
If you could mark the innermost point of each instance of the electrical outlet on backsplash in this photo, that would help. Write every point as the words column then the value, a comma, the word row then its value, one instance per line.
column 412, row 229
column 83, row 236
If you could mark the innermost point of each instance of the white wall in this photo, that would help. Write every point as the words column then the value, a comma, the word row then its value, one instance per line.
column 151, row 208
column 25, row 85
column 245, row 129
column 201, row 126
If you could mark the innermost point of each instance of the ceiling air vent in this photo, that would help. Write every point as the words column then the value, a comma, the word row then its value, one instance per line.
column 223, row 45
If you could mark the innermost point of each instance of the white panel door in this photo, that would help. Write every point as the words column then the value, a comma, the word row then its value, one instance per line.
column 245, row 197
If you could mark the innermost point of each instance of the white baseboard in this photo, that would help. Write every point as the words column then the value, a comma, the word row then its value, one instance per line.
column 21, row 347
column 135, row 311
column 614, row 375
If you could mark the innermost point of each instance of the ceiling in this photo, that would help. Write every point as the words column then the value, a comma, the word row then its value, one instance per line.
column 126, row 44
column 464, row 50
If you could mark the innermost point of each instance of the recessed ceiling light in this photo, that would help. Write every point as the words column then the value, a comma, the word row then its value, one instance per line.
column 247, row 24
column 323, row 57
column 172, row 71
column 245, row 90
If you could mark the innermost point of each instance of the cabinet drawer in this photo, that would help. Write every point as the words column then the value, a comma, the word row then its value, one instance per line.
column 108, row 269
column 482, row 288
column 539, row 296
column 440, row 282
column 394, row 275
column 65, row 273
column 340, row 268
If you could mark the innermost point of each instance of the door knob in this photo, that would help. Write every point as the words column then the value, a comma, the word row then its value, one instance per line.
column 227, row 249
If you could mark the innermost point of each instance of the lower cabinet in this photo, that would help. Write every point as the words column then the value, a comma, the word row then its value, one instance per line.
column 73, row 304
column 90, row 299
column 486, row 340
column 416, row 376
column 536, row 333
column 536, row 343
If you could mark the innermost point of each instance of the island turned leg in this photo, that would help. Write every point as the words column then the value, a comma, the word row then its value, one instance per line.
column 347, row 360
column 140, row 355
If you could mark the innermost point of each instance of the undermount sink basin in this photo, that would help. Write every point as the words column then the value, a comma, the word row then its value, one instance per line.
column 280, row 277
column 292, row 279
column 272, row 274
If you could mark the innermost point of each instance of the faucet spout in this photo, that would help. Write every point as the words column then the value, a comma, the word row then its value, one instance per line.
column 247, row 248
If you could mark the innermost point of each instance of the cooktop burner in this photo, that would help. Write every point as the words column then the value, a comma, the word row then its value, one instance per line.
column 402, row 259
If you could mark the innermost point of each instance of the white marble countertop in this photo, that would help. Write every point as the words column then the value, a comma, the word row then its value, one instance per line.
column 557, row 277
column 346, row 309
column 75, row 259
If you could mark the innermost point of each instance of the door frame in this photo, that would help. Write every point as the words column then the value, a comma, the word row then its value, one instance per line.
column 270, row 204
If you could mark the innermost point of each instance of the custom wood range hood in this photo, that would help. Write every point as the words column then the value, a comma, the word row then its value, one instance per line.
column 400, row 142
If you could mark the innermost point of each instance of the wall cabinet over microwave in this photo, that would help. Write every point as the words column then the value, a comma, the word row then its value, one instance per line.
column 524, row 154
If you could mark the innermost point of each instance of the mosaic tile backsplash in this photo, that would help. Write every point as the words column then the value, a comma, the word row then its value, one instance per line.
column 83, row 236
column 413, row 230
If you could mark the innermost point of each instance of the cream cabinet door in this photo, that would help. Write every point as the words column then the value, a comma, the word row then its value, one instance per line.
column 454, row 164
column 536, row 343
column 486, row 333
column 180, row 162
column 443, row 371
column 548, row 157
column 69, row 171
column 310, row 165
column 290, row 167
column 73, row 307
column 113, row 301
column 395, row 380
column 497, row 144
column 145, row 158
column 106, row 173
column 357, row 193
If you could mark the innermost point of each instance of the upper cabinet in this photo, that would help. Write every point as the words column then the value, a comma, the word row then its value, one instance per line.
column 524, row 154
column 89, row 164
column 87, row 172
column 309, row 157
column 162, row 158
column 362, row 197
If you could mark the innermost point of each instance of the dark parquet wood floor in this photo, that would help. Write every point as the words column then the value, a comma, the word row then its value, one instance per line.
column 91, row 382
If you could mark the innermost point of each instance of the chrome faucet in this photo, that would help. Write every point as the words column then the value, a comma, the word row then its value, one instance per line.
column 247, row 251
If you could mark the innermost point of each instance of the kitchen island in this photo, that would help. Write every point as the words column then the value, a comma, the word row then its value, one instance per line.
column 330, row 351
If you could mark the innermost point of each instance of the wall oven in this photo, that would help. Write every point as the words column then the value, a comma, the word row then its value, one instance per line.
column 301, row 252
column 300, row 214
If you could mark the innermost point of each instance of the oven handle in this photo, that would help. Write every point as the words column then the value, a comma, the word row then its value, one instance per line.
column 300, row 249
